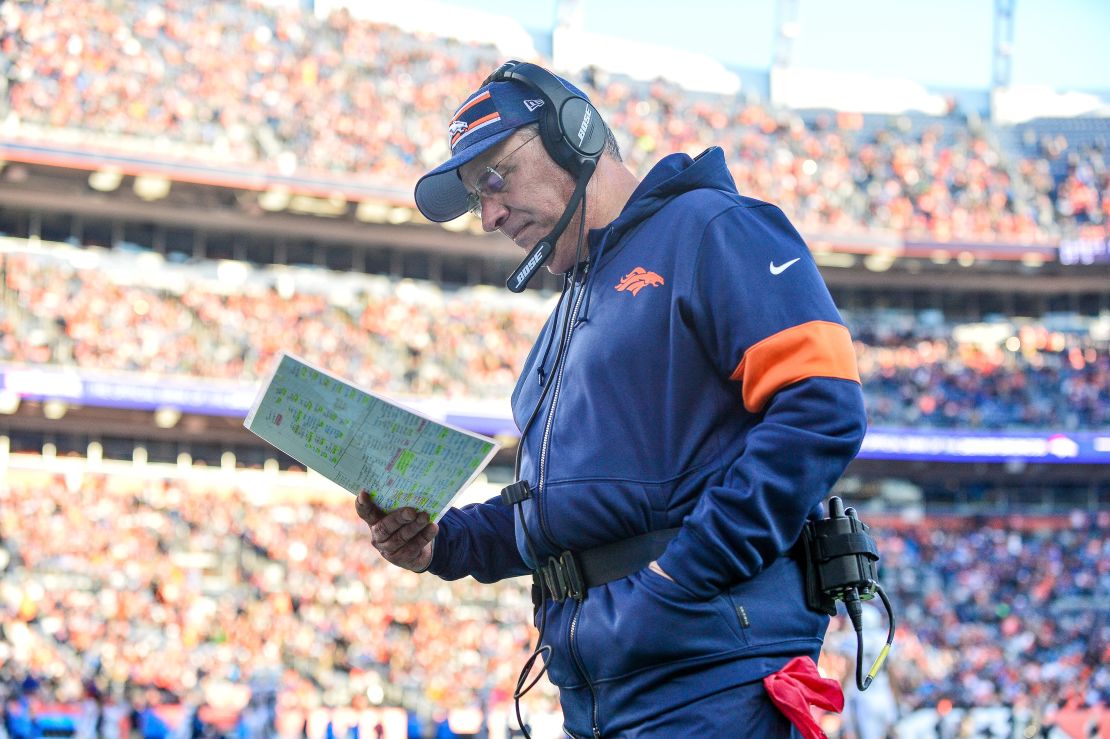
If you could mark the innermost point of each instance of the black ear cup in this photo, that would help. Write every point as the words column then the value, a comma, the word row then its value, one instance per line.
column 582, row 128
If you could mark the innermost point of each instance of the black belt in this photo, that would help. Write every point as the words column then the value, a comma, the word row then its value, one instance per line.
column 571, row 574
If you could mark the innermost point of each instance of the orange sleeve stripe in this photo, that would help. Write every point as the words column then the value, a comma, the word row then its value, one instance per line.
column 814, row 349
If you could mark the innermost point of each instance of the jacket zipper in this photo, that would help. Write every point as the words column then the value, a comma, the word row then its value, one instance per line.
column 594, row 721
column 545, row 445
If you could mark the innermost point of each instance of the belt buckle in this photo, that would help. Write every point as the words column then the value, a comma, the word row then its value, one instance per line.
column 576, row 587
column 554, row 579
column 563, row 577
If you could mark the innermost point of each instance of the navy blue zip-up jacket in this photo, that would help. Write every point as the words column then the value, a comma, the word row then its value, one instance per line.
column 708, row 383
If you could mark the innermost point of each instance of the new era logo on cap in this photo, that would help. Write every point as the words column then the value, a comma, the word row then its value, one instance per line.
column 532, row 104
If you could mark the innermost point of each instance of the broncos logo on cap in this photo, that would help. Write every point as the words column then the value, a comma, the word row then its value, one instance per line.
column 476, row 113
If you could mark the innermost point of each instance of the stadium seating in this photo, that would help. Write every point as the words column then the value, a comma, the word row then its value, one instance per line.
column 162, row 589
column 65, row 310
column 342, row 97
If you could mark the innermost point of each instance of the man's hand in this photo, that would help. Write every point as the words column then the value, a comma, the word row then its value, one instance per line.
column 404, row 537
column 654, row 567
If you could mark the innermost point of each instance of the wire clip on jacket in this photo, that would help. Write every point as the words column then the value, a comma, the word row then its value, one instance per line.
column 518, row 492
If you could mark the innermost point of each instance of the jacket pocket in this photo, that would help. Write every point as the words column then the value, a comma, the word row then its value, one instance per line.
column 772, row 608
column 645, row 621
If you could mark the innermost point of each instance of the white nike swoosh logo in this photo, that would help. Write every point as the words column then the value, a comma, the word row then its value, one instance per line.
column 780, row 268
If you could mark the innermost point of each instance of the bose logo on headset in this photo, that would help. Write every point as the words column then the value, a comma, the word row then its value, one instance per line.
column 585, row 123
column 539, row 256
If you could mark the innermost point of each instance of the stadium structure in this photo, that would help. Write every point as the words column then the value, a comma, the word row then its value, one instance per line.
column 187, row 193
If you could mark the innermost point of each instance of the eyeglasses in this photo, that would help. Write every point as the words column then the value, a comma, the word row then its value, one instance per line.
column 490, row 182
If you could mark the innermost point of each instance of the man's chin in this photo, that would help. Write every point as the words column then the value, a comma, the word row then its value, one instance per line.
column 557, row 270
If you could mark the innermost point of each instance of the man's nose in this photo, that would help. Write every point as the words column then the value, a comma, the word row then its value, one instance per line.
column 494, row 214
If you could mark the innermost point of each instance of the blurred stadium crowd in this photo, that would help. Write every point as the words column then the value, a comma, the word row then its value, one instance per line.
column 251, row 85
column 418, row 339
column 136, row 592
column 147, row 592
column 1002, row 615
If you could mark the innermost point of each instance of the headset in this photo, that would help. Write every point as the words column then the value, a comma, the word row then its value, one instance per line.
column 574, row 136
column 572, row 130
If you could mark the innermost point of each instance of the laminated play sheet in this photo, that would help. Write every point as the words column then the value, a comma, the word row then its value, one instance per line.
column 362, row 441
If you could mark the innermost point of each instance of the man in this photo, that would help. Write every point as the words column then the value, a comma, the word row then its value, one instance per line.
column 685, row 410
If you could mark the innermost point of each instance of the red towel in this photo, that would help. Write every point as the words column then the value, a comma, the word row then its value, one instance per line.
column 798, row 686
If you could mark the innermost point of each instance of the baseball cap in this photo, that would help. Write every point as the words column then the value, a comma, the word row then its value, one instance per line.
column 488, row 117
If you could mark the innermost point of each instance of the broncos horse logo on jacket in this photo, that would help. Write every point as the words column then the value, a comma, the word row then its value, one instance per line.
column 638, row 279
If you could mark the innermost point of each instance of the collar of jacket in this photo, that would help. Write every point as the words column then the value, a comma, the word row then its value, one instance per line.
column 670, row 177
